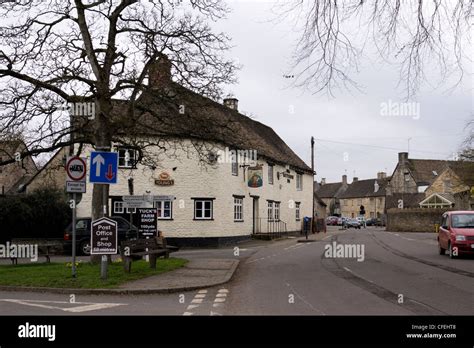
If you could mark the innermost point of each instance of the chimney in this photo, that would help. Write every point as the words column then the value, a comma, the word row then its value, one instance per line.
column 402, row 157
column 355, row 179
column 381, row 175
column 323, row 181
column 232, row 103
column 344, row 179
column 159, row 73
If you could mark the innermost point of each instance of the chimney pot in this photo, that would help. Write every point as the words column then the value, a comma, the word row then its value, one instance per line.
column 232, row 103
column 160, row 71
column 323, row 181
column 402, row 157
column 355, row 179
column 381, row 175
column 344, row 179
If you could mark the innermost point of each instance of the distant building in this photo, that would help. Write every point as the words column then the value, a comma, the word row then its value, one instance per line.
column 329, row 193
column 368, row 195
column 13, row 176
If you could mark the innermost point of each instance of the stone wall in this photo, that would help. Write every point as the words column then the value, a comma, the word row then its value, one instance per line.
column 413, row 219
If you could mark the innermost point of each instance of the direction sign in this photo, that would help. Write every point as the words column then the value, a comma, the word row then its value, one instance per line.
column 76, row 175
column 147, row 222
column 104, row 167
column 104, row 238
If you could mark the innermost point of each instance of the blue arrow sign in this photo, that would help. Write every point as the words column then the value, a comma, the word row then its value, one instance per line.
column 103, row 167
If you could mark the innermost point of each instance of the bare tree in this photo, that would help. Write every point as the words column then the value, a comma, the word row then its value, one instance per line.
column 416, row 34
column 59, row 53
column 467, row 147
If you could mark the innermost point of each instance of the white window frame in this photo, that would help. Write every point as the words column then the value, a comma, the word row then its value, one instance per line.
column 270, row 174
column 133, row 157
column 203, row 209
column 238, row 209
column 276, row 211
column 298, row 211
column 270, row 210
column 118, row 204
column 160, row 211
column 299, row 182
column 131, row 210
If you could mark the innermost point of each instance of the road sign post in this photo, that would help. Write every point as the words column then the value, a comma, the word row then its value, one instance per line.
column 76, row 170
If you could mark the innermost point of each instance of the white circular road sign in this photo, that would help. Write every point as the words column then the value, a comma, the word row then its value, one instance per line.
column 76, row 169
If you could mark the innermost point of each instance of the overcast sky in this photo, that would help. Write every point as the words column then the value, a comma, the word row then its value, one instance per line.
column 264, row 49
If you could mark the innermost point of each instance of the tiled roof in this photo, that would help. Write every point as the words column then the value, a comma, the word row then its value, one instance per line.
column 365, row 188
column 329, row 190
column 424, row 171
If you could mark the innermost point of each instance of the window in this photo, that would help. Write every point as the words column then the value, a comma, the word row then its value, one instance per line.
column 118, row 207
column 372, row 214
column 131, row 210
column 270, row 211
column 297, row 211
column 238, row 209
column 163, row 209
column 270, row 174
column 299, row 182
column 235, row 163
column 276, row 209
column 127, row 157
column 203, row 209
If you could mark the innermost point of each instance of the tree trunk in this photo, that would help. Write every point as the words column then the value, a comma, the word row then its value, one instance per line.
column 102, row 142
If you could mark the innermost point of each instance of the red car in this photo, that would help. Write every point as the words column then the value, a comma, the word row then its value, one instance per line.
column 456, row 233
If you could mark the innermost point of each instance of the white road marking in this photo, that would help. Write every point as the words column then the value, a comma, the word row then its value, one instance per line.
column 200, row 296
column 224, row 290
column 219, row 300
column 192, row 306
column 202, row 292
column 86, row 306
column 215, row 313
column 197, row 300
column 357, row 275
column 188, row 313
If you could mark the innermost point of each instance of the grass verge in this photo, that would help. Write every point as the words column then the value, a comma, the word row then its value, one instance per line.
column 58, row 275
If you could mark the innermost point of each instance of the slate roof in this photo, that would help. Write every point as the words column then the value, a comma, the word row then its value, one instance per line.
column 365, row 188
column 422, row 169
column 329, row 190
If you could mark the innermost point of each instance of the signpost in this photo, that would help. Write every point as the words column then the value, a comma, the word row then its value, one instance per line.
column 76, row 170
column 104, row 170
column 147, row 222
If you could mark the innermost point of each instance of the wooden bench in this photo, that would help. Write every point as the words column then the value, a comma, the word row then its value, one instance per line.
column 135, row 250
column 45, row 247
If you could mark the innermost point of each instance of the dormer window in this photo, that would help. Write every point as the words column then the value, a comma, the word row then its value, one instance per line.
column 127, row 157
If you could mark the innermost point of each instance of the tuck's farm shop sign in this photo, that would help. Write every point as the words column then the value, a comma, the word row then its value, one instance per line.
column 164, row 179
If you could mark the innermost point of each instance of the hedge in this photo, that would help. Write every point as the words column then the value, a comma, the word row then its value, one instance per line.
column 43, row 213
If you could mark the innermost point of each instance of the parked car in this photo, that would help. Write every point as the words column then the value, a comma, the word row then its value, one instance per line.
column 374, row 222
column 456, row 233
column 331, row 220
column 83, row 234
column 362, row 221
column 353, row 223
column 341, row 221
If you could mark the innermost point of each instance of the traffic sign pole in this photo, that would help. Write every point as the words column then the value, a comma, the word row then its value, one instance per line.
column 104, row 263
column 74, row 271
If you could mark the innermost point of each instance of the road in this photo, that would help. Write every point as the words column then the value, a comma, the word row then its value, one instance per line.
column 398, row 274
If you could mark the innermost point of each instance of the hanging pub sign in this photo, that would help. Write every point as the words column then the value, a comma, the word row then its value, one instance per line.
column 164, row 179
column 255, row 176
